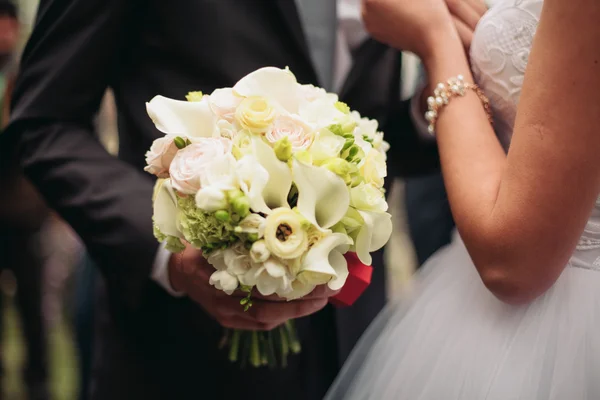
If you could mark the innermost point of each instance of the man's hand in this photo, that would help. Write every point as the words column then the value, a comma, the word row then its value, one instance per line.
column 189, row 272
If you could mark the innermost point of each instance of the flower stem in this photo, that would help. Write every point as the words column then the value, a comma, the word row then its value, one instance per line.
column 235, row 345
column 285, row 349
column 255, row 351
column 295, row 346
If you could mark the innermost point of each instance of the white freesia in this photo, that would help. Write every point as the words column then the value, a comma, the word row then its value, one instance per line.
column 323, row 196
column 269, row 277
column 226, row 130
column 237, row 259
column 259, row 252
column 373, row 234
column 326, row 146
column 367, row 197
column 211, row 199
column 311, row 93
column 278, row 85
column 165, row 210
column 223, row 103
column 191, row 119
column 324, row 262
column 253, row 223
column 224, row 281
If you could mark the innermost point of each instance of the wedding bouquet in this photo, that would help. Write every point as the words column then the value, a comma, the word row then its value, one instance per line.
column 274, row 182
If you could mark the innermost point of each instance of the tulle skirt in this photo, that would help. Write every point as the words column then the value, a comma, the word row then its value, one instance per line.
column 454, row 340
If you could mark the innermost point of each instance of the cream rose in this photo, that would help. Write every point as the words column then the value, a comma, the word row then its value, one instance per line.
column 297, row 131
column 190, row 163
column 367, row 197
column 255, row 114
column 374, row 169
column 312, row 93
column 285, row 236
column 160, row 156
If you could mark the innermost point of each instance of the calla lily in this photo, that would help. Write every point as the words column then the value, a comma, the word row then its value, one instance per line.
column 373, row 235
column 277, row 85
column 253, row 179
column 322, row 264
column 323, row 197
column 191, row 119
column 165, row 210
column 297, row 290
column 279, row 183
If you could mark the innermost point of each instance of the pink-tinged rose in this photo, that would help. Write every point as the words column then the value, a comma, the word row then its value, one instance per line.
column 223, row 102
column 312, row 93
column 299, row 133
column 160, row 156
column 190, row 163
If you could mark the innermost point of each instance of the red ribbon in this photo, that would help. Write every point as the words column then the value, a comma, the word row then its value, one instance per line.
column 359, row 278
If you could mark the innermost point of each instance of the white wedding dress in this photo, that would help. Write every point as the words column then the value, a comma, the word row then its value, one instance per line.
column 454, row 340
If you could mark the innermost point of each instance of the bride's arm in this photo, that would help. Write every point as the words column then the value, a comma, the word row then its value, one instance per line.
column 520, row 216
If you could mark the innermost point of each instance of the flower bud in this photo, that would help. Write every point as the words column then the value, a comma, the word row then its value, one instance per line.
column 211, row 199
column 194, row 96
column 179, row 142
column 259, row 252
column 222, row 216
column 241, row 206
column 283, row 149
column 339, row 167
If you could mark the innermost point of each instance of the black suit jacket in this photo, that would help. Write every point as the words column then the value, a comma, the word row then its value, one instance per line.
column 141, row 48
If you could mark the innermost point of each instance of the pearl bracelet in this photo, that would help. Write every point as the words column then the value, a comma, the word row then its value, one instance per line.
column 443, row 93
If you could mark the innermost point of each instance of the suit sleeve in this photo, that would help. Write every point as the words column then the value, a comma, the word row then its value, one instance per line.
column 69, row 61
column 411, row 152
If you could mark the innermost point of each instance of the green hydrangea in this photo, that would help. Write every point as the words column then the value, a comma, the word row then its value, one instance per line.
column 204, row 230
column 173, row 244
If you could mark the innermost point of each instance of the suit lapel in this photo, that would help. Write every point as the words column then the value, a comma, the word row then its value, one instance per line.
column 364, row 56
column 289, row 13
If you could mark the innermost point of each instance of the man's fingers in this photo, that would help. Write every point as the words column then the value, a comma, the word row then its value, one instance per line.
column 464, row 11
column 273, row 312
column 321, row 292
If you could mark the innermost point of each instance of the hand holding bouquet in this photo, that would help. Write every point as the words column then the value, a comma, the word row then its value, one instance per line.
column 274, row 181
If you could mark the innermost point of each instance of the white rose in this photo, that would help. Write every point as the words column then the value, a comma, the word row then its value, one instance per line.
column 368, row 198
column 224, row 281
column 211, row 199
column 299, row 133
column 326, row 146
column 226, row 130
column 223, row 102
column 320, row 113
column 374, row 168
column 190, row 163
column 160, row 156
column 312, row 93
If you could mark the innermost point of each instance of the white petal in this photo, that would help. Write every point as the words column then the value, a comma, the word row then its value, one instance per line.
column 323, row 197
column 186, row 118
column 211, row 199
column 253, row 179
column 317, row 267
column 373, row 235
column 220, row 173
column 278, row 85
column 267, row 285
column 165, row 210
column 279, row 182
column 224, row 281
column 274, row 268
column 340, row 265
column 298, row 290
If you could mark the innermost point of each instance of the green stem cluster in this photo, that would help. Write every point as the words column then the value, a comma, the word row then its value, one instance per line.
column 262, row 349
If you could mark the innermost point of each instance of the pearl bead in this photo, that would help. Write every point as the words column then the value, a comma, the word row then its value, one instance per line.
column 460, row 77
column 429, row 115
column 431, row 129
column 430, row 101
column 439, row 101
column 441, row 87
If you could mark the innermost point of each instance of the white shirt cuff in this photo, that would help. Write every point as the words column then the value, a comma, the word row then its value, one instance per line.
column 160, row 271
column 418, row 118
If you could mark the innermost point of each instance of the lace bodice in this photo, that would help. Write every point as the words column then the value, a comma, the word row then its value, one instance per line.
column 499, row 55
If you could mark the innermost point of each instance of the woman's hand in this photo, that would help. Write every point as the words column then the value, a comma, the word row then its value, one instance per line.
column 417, row 26
column 466, row 15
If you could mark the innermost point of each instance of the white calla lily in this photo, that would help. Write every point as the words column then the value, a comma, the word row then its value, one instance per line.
column 323, row 197
column 253, row 179
column 277, row 188
column 297, row 290
column 165, row 210
column 373, row 235
column 322, row 264
column 191, row 119
column 277, row 85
